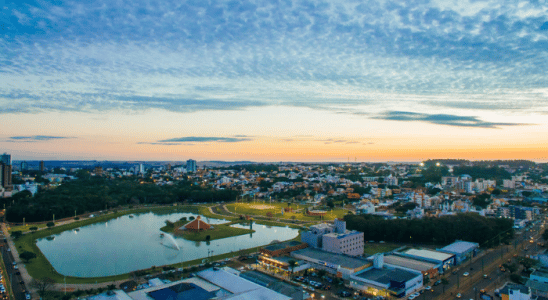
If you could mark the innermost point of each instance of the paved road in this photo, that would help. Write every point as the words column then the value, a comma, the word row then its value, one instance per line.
column 12, row 273
column 487, row 264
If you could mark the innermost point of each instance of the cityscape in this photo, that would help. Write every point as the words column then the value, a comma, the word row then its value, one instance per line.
column 273, row 150
column 437, row 229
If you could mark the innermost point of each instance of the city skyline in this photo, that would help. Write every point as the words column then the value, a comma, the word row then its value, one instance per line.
column 310, row 81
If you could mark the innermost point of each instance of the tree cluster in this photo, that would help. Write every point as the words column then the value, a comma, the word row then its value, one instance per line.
column 82, row 196
column 444, row 230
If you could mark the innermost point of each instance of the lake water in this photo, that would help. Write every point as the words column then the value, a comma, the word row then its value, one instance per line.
column 127, row 244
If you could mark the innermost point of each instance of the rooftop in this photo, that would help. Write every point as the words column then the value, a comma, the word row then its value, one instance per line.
column 429, row 254
column 407, row 262
column 522, row 288
column 385, row 275
column 344, row 261
column 459, row 247
column 191, row 288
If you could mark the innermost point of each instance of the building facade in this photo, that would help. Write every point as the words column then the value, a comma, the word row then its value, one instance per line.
column 191, row 165
column 335, row 238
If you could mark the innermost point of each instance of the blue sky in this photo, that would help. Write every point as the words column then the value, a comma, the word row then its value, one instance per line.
column 461, row 64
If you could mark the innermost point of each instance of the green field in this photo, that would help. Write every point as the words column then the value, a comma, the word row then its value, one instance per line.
column 263, row 209
column 374, row 248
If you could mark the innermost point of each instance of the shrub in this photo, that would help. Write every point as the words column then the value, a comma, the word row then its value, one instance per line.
column 50, row 224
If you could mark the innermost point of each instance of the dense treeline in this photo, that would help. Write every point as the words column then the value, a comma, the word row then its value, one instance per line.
column 483, row 172
column 444, row 230
column 254, row 168
column 98, row 193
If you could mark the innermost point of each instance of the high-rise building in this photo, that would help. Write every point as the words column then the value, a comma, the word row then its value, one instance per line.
column 5, row 159
column 42, row 166
column 191, row 165
column 5, row 180
column 24, row 166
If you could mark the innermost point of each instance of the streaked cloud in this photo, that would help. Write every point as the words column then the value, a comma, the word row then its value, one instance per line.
column 441, row 119
column 36, row 138
column 205, row 139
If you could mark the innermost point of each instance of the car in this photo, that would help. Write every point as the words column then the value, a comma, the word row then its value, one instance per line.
column 428, row 288
column 485, row 276
column 15, row 267
column 412, row 297
column 465, row 274
column 416, row 294
column 344, row 293
column 437, row 282
column 459, row 295
column 27, row 296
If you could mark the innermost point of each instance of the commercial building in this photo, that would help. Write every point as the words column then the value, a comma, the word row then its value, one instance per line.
column 282, row 248
column 462, row 250
column 42, row 166
column 191, row 288
column 396, row 260
column 444, row 260
column 382, row 280
column 335, row 238
column 339, row 265
column 240, row 288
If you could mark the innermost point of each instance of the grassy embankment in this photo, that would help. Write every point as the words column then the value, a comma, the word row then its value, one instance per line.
column 297, row 213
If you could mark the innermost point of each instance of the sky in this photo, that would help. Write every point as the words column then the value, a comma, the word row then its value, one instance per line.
column 274, row 80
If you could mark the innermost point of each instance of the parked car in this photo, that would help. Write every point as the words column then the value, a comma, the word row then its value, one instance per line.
column 465, row 274
column 437, row 282
column 27, row 296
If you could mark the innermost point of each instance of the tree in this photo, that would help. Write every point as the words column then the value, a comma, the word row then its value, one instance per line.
column 516, row 278
column 331, row 204
column 43, row 284
column 321, row 273
column 545, row 234
column 16, row 234
column 292, row 264
column 444, row 282
column 50, row 224
column 34, row 228
column 27, row 256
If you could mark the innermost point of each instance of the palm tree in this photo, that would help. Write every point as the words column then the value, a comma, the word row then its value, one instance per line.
column 292, row 263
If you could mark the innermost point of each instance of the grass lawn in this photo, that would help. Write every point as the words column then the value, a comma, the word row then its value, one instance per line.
column 262, row 209
column 26, row 227
column 219, row 231
column 373, row 248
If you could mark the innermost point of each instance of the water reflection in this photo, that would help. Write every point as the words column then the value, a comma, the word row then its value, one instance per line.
column 128, row 244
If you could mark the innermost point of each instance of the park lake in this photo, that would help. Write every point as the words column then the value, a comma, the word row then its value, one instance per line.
column 131, row 243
